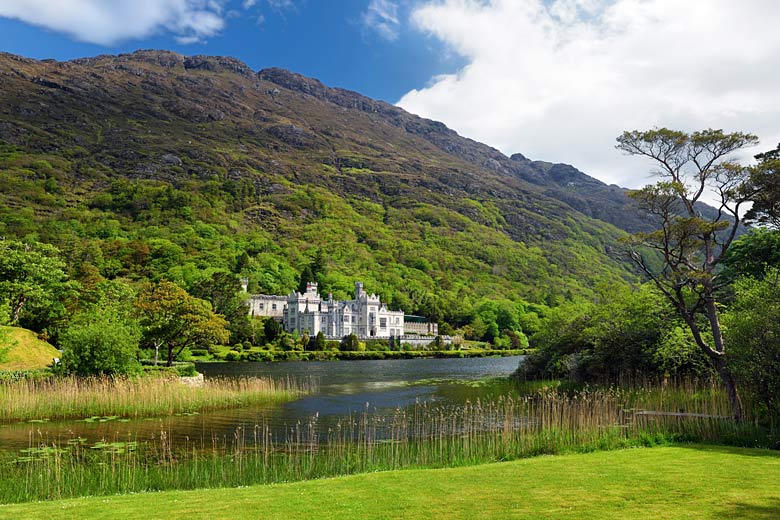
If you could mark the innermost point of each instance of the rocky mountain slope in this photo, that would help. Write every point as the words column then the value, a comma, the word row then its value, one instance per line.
column 154, row 164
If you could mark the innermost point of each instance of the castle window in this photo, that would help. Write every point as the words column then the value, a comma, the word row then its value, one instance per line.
column 262, row 306
column 273, row 306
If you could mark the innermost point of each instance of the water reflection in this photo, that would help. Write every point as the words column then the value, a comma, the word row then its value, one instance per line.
column 344, row 388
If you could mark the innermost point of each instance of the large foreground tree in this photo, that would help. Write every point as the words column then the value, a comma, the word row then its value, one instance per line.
column 693, row 168
column 174, row 320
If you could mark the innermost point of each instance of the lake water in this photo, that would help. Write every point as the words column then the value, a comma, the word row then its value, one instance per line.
column 343, row 388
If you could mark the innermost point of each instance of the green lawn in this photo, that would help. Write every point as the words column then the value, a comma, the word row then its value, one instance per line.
column 655, row 483
column 27, row 351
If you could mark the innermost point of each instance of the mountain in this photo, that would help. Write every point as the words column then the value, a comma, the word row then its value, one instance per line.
column 155, row 164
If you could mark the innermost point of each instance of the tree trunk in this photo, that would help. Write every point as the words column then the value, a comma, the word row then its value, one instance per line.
column 731, row 389
column 17, row 308
column 170, row 356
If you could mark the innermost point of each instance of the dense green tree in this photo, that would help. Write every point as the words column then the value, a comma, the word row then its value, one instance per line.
column 173, row 320
column 272, row 329
column 306, row 276
column 765, row 181
column 104, row 337
column 31, row 276
column 625, row 332
column 223, row 291
column 98, row 341
column 319, row 342
column 691, row 246
column 753, row 331
column 752, row 253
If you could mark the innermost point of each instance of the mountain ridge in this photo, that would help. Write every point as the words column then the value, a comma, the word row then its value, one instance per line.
column 148, row 147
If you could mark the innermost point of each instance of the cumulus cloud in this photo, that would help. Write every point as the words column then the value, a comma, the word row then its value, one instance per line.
column 107, row 23
column 381, row 16
column 558, row 80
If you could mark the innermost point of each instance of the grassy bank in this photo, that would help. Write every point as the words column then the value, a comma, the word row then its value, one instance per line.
column 673, row 482
column 69, row 398
column 25, row 350
column 422, row 436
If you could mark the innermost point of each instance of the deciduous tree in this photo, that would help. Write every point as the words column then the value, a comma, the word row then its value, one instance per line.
column 29, row 274
column 691, row 167
column 174, row 320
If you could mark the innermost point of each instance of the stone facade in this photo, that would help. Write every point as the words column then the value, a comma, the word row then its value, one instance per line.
column 264, row 305
column 364, row 315
column 420, row 326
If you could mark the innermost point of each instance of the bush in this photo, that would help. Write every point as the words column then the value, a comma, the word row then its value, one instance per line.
column 99, row 342
column 233, row 355
column 258, row 355
column 179, row 368
column 753, row 335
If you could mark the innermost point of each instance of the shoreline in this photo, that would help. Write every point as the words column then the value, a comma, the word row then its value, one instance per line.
column 272, row 356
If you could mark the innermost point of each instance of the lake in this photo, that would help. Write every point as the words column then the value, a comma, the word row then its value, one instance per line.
column 343, row 388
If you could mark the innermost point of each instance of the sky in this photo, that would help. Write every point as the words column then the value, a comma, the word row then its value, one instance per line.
column 555, row 80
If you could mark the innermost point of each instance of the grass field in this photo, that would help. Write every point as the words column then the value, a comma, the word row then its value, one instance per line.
column 27, row 351
column 700, row 482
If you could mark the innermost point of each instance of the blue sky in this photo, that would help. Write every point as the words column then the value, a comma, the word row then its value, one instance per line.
column 556, row 80
column 329, row 40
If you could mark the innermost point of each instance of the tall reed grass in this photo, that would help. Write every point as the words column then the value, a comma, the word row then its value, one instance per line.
column 547, row 422
column 68, row 398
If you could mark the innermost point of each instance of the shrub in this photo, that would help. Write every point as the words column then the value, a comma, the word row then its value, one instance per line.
column 99, row 342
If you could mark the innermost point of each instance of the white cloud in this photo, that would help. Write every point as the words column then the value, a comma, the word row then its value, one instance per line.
column 381, row 16
column 558, row 80
column 108, row 22
column 281, row 5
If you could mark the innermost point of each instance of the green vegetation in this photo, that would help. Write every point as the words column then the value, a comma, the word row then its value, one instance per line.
column 765, row 181
column 259, row 354
column 692, row 246
column 699, row 482
column 103, row 338
column 174, row 320
column 167, row 192
column 753, row 327
column 77, row 398
column 624, row 333
column 545, row 422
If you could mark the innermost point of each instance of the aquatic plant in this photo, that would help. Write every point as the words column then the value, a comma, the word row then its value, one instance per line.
column 548, row 421
column 102, row 397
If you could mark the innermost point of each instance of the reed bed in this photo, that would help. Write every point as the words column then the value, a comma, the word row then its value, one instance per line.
column 70, row 398
column 548, row 422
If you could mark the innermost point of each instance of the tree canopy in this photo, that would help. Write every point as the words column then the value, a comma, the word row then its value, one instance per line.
column 30, row 274
column 765, row 181
column 174, row 320
column 693, row 167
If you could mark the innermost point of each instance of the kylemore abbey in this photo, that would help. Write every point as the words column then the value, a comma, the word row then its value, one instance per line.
column 364, row 315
